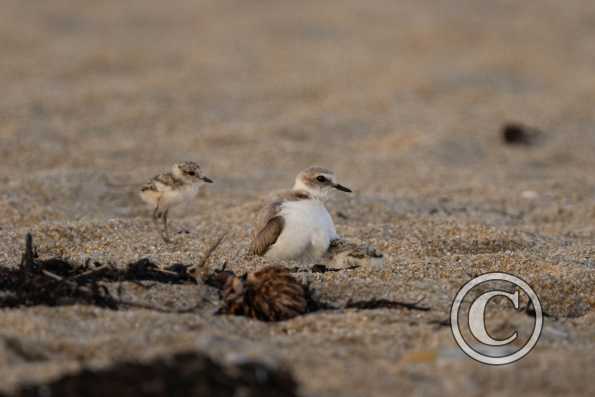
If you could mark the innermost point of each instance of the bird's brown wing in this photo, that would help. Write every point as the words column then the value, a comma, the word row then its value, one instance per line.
column 162, row 179
column 150, row 185
column 168, row 179
column 270, row 222
column 267, row 236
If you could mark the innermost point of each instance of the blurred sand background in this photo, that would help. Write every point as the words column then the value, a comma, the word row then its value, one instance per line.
column 403, row 99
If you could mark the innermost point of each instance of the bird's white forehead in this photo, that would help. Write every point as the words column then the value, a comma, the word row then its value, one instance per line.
column 315, row 171
column 328, row 175
column 310, row 180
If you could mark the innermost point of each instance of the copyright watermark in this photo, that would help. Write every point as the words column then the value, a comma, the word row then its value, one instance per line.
column 468, row 324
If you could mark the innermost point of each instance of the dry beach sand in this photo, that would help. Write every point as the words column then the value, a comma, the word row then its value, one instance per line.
column 404, row 100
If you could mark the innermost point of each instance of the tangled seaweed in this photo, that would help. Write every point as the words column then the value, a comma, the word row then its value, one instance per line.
column 57, row 282
column 51, row 282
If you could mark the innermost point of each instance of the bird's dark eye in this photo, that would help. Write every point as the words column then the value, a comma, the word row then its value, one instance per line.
column 320, row 178
column 191, row 173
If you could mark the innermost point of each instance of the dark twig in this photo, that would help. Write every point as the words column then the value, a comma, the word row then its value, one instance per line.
column 530, row 311
column 56, row 277
column 204, row 270
column 28, row 258
column 90, row 272
column 445, row 322
column 120, row 301
column 322, row 269
column 386, row 304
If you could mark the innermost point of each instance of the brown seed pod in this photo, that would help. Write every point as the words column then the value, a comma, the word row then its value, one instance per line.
column 270, row 294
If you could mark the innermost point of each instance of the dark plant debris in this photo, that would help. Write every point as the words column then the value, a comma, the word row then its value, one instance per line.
column 530, row 311
column 184, row 374
column 201, row 270
column 519, row 134
column 218, row 278
column 272, row 294
column 141, row 270
column 269, row 294
column 37, row 282
column 439, row 323
column 318, row 268
column 372, row 304
column 57, row 282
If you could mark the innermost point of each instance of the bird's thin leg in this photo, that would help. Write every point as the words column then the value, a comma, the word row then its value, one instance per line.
column 165, row 229
column 157, row 213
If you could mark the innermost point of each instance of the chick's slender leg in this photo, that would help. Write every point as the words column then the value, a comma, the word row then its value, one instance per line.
column 165, row 228
column 157, row 214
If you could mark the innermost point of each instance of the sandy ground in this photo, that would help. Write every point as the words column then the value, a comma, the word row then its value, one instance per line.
column 404, row 100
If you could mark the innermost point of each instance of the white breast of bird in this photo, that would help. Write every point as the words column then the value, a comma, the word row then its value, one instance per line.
column 308, row 230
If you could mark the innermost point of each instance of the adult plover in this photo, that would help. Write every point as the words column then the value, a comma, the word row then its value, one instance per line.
column 296, row 225
column 167, row 190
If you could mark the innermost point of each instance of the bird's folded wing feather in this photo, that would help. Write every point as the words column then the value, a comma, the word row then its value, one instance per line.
column 270, row 222
column 161, row 181
column 268, row 228
column 149, row 185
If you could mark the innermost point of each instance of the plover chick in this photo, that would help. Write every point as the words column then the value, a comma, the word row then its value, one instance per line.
column 296, row 225
column 164, row 191
column 345, row 253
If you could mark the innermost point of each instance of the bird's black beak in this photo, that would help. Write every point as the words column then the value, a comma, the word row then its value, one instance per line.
column 207, row 180
column 342, row 188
